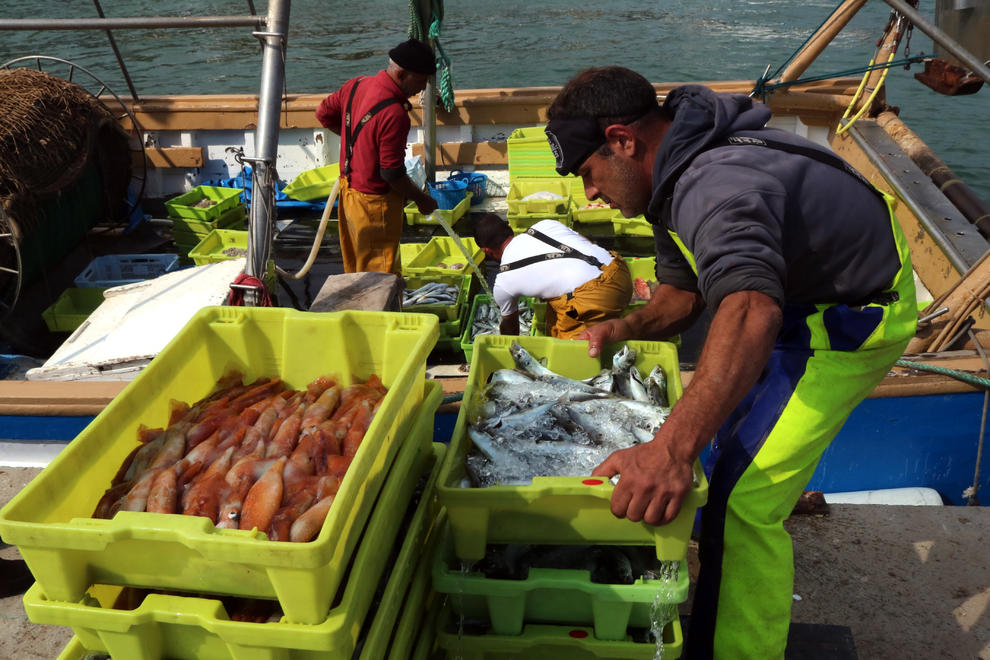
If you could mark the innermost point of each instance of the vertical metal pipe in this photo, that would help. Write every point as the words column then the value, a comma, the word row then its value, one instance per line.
column 425, row 10
column 274, row 41
column 430, row 130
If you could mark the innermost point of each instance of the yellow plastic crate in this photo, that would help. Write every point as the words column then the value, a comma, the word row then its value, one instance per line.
column 414, row 217
column 528, row 152
column 313, row 184
column 520, row 223
column 184, row 205
column 407, row 252
column 191, row 232
column 72, row 308
column 637, row 226
column 547, row 641
column 220, row 245
column 67, row 550
column 555, row 510
column 440, row 253
column 521, row 188
column 396, row 620
column 197, row 628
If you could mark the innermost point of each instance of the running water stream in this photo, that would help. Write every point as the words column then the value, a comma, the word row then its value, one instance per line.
column 467, row 254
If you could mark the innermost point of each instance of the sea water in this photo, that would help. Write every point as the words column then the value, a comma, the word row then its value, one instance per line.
column 513, row 43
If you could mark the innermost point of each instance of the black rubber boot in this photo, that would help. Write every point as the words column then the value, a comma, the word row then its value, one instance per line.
column 15, row 578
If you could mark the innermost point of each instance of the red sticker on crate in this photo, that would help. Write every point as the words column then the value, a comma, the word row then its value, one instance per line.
column 592, row 482
column 578, row 634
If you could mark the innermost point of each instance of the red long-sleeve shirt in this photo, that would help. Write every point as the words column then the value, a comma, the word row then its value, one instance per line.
column 381, row 144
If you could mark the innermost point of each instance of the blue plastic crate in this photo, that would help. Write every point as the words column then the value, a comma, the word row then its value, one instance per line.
column 117, row 269
column 448, row 193
column 477, row 184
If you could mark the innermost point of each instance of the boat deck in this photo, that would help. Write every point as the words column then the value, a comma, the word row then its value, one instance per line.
column 905, row 581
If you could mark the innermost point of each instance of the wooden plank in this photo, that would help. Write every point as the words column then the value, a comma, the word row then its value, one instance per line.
column 48, row 398
column 467, row 153
column 162, row 157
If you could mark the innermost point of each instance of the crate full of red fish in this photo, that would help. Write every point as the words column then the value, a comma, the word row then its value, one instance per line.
column 282, row 356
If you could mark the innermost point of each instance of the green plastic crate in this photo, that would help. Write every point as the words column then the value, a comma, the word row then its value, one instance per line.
column 220, row 245
column 521, row 188
column 546, row 641
column 184, row 205
column 414, row 217
column 553, row 596
column 197, row 628
column 67, row 551
column 313, row 184
column 444, row 312
column 426, row 641
column 191, row 232
column 440, row 253
column 555, row 510
column 72, row 308
column 637, row 226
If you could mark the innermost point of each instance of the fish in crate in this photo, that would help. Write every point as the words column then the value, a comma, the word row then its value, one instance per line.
column 250, row 456
column 531, row 421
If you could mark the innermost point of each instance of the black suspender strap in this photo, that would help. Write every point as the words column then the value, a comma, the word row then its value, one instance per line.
column 566, row 252
column 815, row 154
column 349, row 135
column 736, row 140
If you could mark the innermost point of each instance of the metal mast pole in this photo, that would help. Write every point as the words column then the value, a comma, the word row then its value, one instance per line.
column 273, row 43
column 425, row 10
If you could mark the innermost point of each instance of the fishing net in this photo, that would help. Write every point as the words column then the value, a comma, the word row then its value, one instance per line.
column 50, row 130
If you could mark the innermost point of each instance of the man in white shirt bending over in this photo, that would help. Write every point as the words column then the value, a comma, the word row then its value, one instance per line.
column 582, row 283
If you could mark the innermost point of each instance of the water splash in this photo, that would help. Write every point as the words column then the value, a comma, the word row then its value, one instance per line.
column 467, row 254
column 664, row 609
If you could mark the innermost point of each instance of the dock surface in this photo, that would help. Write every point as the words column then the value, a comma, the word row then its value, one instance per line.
column 907, row 581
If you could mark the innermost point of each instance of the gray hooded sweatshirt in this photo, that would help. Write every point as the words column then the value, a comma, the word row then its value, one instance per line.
column 762, row 219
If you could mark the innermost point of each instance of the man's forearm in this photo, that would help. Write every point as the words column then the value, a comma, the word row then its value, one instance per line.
column 405, row 187
column 738, row 345
column 669, row 311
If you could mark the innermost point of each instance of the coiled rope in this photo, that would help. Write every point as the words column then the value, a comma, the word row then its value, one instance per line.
column 445, row 85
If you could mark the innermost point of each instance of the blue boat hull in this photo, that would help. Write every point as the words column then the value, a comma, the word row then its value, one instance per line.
column 894, row 442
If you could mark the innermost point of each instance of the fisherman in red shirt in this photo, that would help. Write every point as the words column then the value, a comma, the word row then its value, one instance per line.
column 371, row 117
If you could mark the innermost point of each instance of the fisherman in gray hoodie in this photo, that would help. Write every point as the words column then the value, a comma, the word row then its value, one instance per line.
column 809, row 280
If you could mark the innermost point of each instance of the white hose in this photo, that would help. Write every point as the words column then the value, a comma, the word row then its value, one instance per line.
column 319, row 236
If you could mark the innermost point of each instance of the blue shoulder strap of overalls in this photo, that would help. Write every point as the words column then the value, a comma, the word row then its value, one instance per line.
column 351, row 136
column 566, row 252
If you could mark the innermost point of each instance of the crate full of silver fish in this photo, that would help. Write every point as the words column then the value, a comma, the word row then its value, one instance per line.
column 528, row 435
column 443, row 295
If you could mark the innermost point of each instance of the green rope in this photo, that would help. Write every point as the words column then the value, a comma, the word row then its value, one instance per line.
column 452, row 398
column 445, row 85
column 976, row 381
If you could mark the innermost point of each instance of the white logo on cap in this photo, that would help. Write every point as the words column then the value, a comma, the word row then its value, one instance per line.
column 555, row 149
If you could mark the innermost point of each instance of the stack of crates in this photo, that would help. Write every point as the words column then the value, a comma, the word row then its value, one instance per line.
column 324, row 587
column 481, row 300
column 553, row 612
column 196, row 213
column 451, row 315
column 532, row 169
